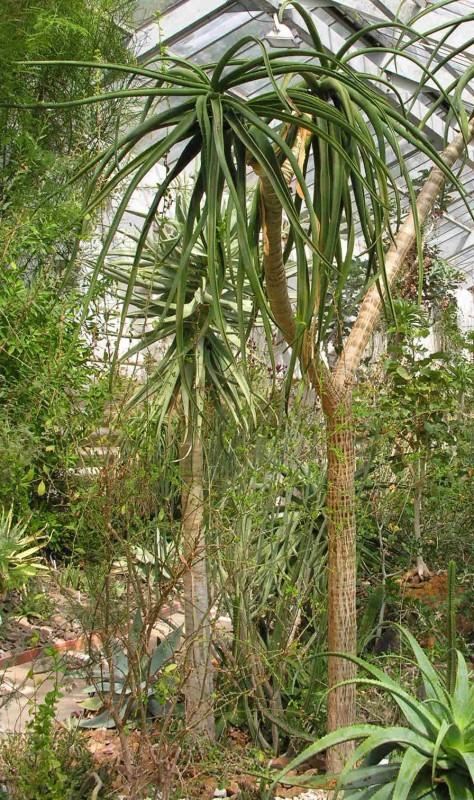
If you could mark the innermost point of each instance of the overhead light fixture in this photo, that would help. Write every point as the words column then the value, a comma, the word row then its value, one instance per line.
column 281, row 35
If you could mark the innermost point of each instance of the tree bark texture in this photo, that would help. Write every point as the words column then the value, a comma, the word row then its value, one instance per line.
column 273, row 265
column 342, row 620
column 198, row 687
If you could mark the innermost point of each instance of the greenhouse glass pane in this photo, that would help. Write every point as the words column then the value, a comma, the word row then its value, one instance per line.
column 210, row 33
column 146, row 9
column 207, row 46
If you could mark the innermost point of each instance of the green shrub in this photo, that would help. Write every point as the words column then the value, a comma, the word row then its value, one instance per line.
column 49, row 761
column 50, row 399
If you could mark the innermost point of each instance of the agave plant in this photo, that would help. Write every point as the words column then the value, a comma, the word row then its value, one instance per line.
column 431, row 756
column 116, row 687
column 322, row 120
column 18, row 553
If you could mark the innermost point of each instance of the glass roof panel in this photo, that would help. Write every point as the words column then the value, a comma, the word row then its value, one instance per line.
column 212, row 33
column 147, row 9
column 207, row 44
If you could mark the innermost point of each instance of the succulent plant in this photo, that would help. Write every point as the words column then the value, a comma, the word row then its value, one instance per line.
column 115, row 685
column 431, row 756
column 18, row 553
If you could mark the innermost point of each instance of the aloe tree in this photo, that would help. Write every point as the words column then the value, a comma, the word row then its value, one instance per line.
column 196, row 375
column 329, row 128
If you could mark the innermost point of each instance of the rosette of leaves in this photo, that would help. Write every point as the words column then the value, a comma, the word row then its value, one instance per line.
column 201, row 116
column 120, row 686
column 198, row 346
column 431, row 756
column 19, row 560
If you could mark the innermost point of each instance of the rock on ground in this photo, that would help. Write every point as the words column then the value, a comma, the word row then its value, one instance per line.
column 310, row 794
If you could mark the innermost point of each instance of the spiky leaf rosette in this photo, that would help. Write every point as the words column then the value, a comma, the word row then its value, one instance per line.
column 353, row 123
column 431, row 756
column 199, row 353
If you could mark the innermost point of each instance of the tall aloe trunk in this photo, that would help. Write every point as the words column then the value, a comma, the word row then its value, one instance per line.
column 199, row 681
column 340, row 506
column 335, row 391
